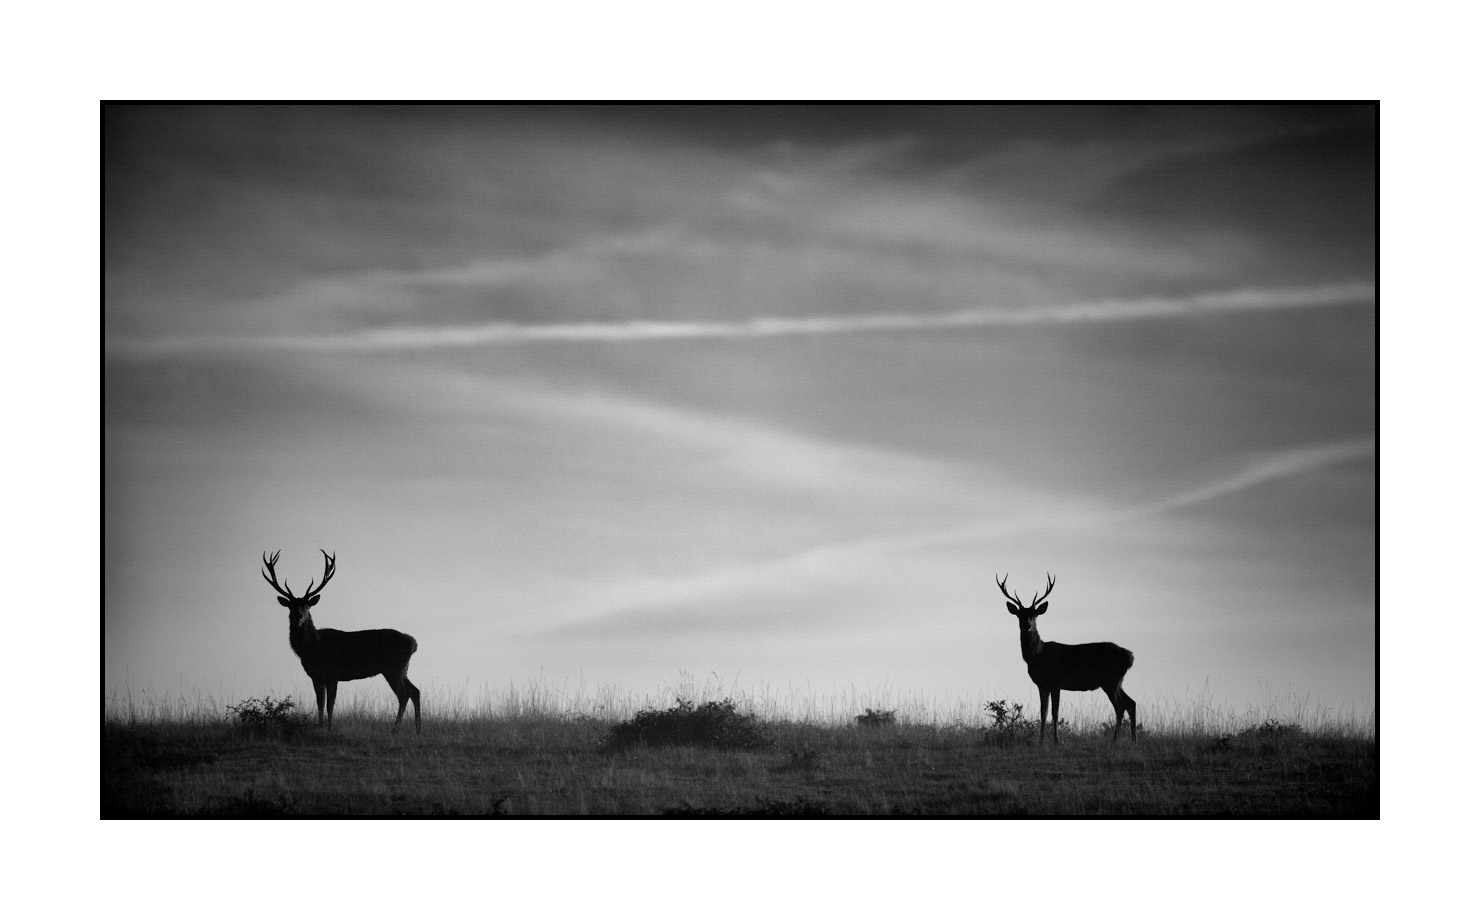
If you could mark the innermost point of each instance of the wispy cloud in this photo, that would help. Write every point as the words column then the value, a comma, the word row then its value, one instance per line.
column 416, row 338
column 1282, row 465
column 857, row 555
column 746, row 450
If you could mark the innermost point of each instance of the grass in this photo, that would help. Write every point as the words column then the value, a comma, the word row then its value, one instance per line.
column 540, row 753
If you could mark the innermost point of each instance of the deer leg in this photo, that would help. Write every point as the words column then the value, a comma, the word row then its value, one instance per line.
column 1056, row 715
column 1042, row 711
column 1115, row 693
column 318, row 693
column 1130, row 705
column 332, row 686
column 397, row 680
column 415, row 696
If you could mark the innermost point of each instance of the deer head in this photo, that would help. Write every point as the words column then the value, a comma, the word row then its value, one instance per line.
column 297, row 606
column 1025, row 612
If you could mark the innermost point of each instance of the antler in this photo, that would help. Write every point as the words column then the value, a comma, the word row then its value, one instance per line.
column 1037, row 599
column 328, row 574
column 272, row 578
column 1002, row 583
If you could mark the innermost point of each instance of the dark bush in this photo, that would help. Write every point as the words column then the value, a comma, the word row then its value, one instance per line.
column 712, row 725
column 1272, row 730
column 875, row 718
column 1272, row 735
column 268, row 714
column 1269, row 735
column 1010, row 726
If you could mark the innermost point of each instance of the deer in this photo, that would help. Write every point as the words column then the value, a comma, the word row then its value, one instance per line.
column 332, row 655
column 1054, row 666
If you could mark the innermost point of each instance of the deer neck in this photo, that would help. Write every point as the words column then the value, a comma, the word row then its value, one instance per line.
column 303, row 636
column 1032, row 643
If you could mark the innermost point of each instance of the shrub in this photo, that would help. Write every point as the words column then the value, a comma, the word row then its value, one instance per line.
column 1267, row 736
column 1272, row 734
column 268, row 714
column 712, row 724
column 875, row 718
column 1271, row 730
column 1009, row 725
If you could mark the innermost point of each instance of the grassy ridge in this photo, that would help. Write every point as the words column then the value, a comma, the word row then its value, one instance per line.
column 523, row 761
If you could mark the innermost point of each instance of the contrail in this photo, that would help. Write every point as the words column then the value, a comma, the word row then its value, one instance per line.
column 740, row 578
column 1282, row 465
column 420, row 338
column 1268, row 469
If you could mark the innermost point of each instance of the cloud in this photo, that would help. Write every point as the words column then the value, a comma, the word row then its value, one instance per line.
column 770, row 467
column 1283, row 465
column 860, row 556
column 419, row 338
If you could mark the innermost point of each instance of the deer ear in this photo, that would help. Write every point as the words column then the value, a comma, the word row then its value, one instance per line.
column 284, row 602
column 313, row 600
column 1013, row 609
column 1043, row 608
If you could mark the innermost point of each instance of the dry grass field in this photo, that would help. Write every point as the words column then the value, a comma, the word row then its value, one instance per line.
column 530, row 755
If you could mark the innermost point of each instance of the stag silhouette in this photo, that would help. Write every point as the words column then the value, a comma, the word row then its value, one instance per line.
column 1054, row 666
column 332, row 655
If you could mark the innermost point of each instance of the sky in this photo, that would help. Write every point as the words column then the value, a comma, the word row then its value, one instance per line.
column 603, row 397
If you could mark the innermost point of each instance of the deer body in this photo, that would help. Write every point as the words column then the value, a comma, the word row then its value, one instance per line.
column 1075, row 667
column 332, row 655
column 1054, row 666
